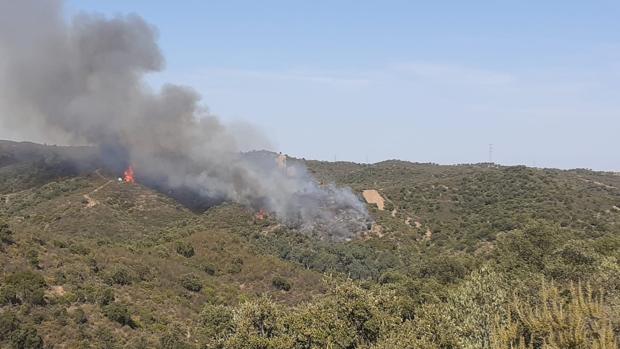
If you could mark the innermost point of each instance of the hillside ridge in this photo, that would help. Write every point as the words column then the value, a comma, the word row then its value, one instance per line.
column 86, row 258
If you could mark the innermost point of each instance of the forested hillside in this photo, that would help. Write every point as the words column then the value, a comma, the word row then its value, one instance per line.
column 468, row 256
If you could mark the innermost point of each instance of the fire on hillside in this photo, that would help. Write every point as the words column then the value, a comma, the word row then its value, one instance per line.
column 128, row 175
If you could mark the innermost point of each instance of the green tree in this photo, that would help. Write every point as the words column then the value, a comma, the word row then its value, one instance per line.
column 259, row 324
column 348, row 316
column 464, row 320
column 6, row 234
column 119, row 313
column 217, row 321
column 28, row 287
column 26, row 338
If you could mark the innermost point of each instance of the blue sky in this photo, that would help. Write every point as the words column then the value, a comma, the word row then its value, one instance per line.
column 427, row 81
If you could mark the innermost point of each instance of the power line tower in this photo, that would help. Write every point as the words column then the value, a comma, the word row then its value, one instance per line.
column 490, row 154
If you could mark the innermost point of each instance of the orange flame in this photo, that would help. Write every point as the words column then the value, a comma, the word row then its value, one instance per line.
column 261, row 214
column 128, row 176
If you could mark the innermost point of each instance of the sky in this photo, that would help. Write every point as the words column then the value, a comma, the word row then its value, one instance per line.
column 424, row 81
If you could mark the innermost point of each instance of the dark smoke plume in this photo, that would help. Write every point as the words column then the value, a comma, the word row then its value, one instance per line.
column 82, row 82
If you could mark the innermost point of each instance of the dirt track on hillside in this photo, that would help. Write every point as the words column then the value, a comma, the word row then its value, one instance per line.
column 90, row 202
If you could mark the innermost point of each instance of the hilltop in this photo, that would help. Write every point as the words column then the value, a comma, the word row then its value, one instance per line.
column 90, row 261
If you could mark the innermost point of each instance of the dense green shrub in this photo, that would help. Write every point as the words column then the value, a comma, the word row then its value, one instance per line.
column 6, row 234
column 560, row 318
column 33, row 258
column 235, row 265
column 185, row 249
column 92, row 263
column 191, row 282
column 217, row 321
column 119, row 313
column 105, row 296
column 59, row 244
column 105, row 338
column 120, row 275
column 28, row 287
column 79, row 249
column 8, row 295
column 79, row 316
column 173, row 339
column 390, row 277
column 8, row 324
column 281, row 283
column 210, row 269
column 234, row 268
column 259, row 324
column 26, row 338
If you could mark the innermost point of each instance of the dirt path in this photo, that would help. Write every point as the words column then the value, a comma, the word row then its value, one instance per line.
column 90, row 202
column 598, row 183
column 99, row 174
column 428, row 235
column 373, row 197
column 7, row 197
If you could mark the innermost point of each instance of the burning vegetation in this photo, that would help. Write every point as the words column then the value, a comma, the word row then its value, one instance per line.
column 128, row 175
column 261, row 214
column 168, row 133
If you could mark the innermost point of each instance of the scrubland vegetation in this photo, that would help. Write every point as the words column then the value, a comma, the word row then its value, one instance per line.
column 469, row 256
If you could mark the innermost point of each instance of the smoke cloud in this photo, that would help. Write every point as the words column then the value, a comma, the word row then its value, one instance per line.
column 82, row 82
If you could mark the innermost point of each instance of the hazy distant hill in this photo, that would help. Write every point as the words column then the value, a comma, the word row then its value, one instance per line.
column 88, row 261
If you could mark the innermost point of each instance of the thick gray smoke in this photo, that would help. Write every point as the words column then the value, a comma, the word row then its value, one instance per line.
column 83, row 82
